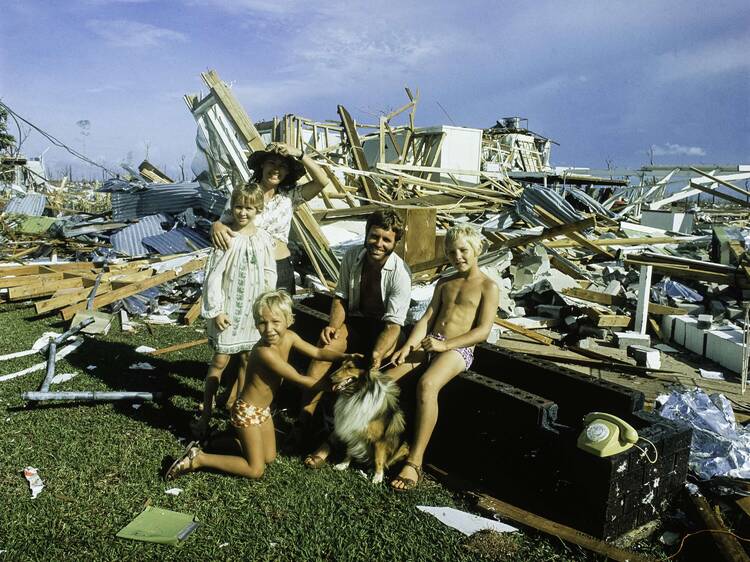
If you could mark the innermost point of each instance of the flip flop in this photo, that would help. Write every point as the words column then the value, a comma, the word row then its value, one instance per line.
column 408, row 484
column 174, row 471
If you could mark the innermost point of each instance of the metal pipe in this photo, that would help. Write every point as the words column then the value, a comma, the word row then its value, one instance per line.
column 50, row 366
column 93, row 395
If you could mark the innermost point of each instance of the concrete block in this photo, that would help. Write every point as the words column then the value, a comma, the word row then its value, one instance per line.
column 667, row 325
column 624, row 339
column 705, row 321
column 725, row 347
column 645, row 356
column 695, row 337
column 732, row 351
column 680, row 324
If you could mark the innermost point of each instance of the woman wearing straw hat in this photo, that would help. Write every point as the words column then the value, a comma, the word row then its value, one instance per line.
column 277, row 169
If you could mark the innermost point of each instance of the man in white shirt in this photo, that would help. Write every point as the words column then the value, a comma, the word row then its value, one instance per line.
column 370, row 301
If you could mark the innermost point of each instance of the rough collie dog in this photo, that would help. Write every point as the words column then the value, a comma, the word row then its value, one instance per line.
column 367, row 418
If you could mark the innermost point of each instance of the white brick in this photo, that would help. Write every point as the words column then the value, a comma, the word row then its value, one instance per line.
column 695, row 338
column 680, row 325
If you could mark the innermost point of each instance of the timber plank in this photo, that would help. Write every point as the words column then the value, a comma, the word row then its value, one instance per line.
column 134, row 288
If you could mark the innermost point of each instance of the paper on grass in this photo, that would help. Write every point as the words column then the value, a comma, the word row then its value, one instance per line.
column 467, row 523
column 161, row 526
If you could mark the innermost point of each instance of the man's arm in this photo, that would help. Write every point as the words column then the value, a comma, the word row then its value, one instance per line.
column 385, row 342
column 335, row 321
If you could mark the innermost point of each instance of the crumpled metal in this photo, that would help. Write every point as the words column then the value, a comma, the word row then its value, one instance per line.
column 720, row 446
column 676, row 290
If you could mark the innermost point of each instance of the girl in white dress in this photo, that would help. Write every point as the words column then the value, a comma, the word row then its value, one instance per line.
column 233, row 280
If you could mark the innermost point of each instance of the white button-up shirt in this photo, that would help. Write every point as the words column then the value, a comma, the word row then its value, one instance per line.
column 395, row 285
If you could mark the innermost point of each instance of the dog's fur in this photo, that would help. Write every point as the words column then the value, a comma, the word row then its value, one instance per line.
column 368, row 418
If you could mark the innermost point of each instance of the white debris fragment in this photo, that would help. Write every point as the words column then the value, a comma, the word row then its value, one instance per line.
column 142, row 366
column 62, row 377
column 144, row 349
column 91, row 368
column 35, row 482
column 713, row 375
column 173, row 491
column 467, row 523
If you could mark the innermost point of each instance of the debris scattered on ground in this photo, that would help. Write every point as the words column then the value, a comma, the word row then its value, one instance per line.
column 35, row 482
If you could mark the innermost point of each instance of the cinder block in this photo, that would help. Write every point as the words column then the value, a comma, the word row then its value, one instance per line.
column 624, row 339
column 705, row 321
column 695, row 337
column 732, row 351
column 680, row 325
column 725, row 347
column 667, row 325
column 645, row 356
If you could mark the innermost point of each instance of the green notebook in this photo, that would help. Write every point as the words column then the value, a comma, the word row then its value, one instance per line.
column 161, row 526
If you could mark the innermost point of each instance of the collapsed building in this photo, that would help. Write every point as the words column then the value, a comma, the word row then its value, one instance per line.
column 613, row 283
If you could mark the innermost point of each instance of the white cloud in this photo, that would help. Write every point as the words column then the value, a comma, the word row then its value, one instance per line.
column 704, row 60
column 128, row 33
column 670, row 149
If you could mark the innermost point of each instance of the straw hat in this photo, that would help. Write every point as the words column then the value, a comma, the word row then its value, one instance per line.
column 296, row 169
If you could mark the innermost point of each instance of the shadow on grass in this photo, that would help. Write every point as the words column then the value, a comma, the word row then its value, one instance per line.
column 166, row 380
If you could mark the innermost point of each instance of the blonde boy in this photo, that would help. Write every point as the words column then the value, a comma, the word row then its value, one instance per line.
column 459, row 316
column 251, row 413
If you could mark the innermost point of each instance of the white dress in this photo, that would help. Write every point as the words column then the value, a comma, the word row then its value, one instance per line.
column 233, row 280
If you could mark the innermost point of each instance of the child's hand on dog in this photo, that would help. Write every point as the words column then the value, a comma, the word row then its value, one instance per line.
column 353, row 357
column 328, row 334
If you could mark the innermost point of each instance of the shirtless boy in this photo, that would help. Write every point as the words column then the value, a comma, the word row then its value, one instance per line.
column 460, row 315
column 251, row 413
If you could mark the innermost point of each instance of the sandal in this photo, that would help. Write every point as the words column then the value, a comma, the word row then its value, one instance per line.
column 178, row 467
column 408, row 484
column 314, row 462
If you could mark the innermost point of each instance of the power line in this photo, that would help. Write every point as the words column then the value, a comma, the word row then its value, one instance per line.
column 57, row 142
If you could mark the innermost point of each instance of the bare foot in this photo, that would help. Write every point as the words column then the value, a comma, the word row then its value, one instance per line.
column 318, row 458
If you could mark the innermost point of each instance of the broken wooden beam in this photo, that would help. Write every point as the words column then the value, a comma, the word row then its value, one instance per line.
column 135, row 288
column 524, row 331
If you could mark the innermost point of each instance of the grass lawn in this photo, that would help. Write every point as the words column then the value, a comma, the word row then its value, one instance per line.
column 102, row 464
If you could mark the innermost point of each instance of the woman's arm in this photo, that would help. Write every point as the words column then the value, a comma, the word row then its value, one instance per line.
column 319, row 177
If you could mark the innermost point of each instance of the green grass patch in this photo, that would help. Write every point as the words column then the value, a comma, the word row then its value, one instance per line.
column 102, row 463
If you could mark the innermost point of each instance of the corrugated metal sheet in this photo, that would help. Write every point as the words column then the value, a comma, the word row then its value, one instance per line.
column 550, row 201
column 32, row 204
column 172, row 198
column 589, row 201
column 173, row 242
column 128, row 240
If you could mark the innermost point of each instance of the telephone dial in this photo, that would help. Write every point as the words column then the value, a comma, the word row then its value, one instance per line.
column 605, row 435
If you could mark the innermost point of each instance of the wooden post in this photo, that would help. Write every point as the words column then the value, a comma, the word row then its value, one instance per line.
column 418, row 242
column 644, row 295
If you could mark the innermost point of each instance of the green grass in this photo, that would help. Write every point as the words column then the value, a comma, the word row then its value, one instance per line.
column 102, row 464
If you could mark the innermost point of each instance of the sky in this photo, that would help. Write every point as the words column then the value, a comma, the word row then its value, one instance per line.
column 613, row 82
